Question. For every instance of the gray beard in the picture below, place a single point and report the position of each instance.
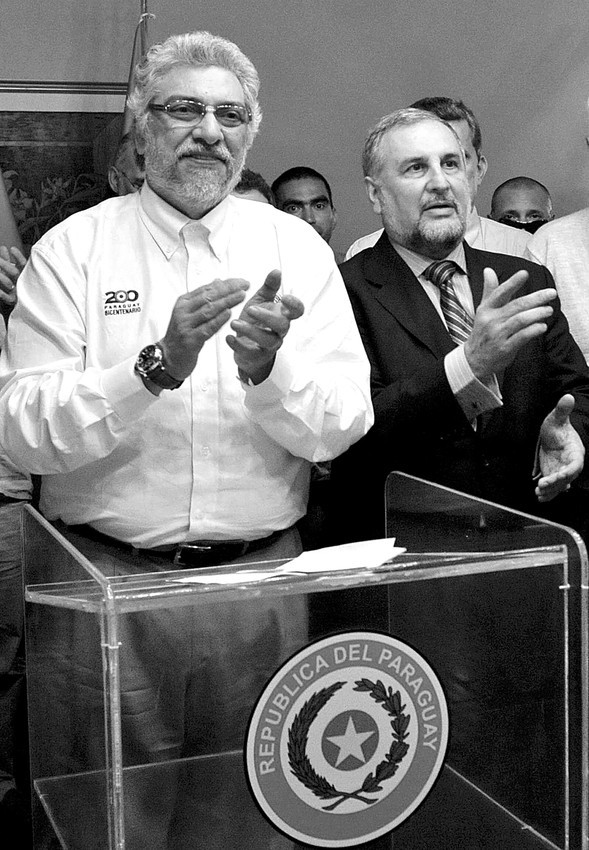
(200, 191)
(434, 241)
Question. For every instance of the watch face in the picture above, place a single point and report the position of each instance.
(149, 358)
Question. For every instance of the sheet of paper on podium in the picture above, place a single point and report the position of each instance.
(368, 554)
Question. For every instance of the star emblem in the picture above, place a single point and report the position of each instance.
(350, 743)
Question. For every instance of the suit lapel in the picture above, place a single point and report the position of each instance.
(397, 289)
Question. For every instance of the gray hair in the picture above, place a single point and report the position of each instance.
(199, 49)
(372, 158)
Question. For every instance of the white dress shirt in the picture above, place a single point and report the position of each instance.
(213, 459)
(563, 247)
(482, 233)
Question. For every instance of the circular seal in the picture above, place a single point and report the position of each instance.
(347, 739)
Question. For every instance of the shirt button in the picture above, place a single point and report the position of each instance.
(205, 451)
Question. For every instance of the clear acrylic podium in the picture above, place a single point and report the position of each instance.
(496, 602)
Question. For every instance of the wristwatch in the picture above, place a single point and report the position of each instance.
(150, 365)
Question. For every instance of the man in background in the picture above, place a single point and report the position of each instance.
(563, 247)
(127, 172)
(303, 192)
(482, 233)
(522, 202)
(253, 187)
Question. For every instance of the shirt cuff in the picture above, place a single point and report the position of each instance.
(473, 396)
(276, 386)
(125, 391)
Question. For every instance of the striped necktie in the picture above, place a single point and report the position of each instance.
(458, 320)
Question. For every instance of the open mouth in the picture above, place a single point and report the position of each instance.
(440, 206)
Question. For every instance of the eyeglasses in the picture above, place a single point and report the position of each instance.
(189, 111)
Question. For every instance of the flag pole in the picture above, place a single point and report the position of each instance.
(139, 50)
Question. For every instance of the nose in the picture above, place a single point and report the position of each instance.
(438, 180)
(209, 130)
(309, 214)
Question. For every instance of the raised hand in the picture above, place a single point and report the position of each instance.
(561, 453)
(196, 317)
(261, 328)
(503, 324)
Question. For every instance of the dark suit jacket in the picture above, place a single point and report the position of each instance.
(419, 427)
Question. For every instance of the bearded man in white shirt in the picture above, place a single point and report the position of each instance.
(482, 233)
(167, 442)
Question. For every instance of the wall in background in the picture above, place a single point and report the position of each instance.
(331, 68)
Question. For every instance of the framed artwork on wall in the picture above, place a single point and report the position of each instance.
(56, 143)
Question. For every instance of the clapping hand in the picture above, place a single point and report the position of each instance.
(261, 328)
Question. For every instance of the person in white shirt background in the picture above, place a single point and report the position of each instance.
(563, 246)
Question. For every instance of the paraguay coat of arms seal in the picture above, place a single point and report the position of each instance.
(347, 739)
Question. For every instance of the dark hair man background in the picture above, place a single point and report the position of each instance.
(522, 202)
(304, 192)
(482, 233)
(253, 187)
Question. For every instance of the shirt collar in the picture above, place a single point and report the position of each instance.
(473, 227)
(166, 224)
(418, 264)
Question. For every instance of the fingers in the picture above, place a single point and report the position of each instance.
(206, 306)
(215, 292)
(18, 258)
(490, 283)
(293, 307)
(502, 293)
(9, 273)
(550, 486)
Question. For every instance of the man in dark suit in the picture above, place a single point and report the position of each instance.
(503, 412)
(478, 385)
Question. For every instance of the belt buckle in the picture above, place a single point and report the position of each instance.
(194, 549)
(200, 555)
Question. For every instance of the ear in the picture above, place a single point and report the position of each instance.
(372, 190)
(113, 179)
(482, 166)
(140, 143)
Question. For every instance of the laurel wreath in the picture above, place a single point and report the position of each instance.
(304, 771)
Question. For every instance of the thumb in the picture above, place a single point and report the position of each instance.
(563, 409)
(272, 283)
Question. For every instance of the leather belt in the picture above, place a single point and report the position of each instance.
(194, 554)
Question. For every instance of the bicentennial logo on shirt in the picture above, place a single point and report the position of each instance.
(121, 301)
(347, 739)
